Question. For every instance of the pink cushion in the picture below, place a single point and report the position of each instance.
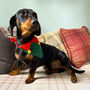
(77, 43)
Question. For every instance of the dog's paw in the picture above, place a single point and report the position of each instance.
(28, 81)
(14, 72)
(74, 79)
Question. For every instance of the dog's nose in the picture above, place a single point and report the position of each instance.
(34, 22)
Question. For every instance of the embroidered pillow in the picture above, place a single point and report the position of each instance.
(77, 43)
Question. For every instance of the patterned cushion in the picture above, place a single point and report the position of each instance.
(53, 38)
(77, 43)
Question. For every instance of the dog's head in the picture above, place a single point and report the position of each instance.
(26, 22)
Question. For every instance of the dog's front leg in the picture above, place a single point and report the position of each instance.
(33, 65)
(17, 66)
(31, 74)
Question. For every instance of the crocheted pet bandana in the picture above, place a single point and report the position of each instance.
(33, 47)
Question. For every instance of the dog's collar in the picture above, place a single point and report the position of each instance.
(27, 45)
(33, 47)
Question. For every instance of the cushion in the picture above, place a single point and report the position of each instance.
(53, 38)
(77, 43)
(6, 53)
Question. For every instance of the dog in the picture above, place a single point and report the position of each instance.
(53, 59)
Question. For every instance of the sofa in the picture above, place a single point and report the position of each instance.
(57, 81)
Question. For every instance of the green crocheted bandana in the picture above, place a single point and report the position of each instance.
(33, 47)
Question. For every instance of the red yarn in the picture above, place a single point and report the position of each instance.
(13, 40)
(25, 46)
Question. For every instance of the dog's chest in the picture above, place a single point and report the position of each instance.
(34, 49)
(24, 55)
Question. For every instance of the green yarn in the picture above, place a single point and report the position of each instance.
(36, 50)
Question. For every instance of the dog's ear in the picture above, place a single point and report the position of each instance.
(12, 24)
(38, 31)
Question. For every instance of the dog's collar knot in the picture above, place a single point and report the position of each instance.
(33, 47)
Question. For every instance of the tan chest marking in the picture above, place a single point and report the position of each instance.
(26, 57)
(29, 56)
(17, 56)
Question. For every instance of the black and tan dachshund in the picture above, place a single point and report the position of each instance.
(53, 59)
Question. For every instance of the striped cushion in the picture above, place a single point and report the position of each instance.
(77, 43)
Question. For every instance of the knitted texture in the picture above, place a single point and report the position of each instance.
(35, 50)
(33, 47)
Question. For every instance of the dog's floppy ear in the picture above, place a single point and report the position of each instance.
(12, 24)
(38, 31)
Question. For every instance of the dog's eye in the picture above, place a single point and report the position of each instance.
(23, 14)
(20, 14)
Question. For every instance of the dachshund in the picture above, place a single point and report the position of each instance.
(29, 51)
